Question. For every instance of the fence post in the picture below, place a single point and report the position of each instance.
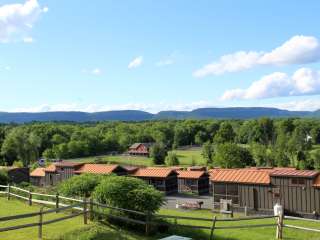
(8, 192)
(40, 224)
(30, 198)
(148, 215)
(91, 209)
(57, 202)
(212, 227)
(279, 226)
(246, 211)
(85, 211)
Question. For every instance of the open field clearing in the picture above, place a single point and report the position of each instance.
(186, 158)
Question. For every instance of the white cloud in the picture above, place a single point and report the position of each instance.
(28, 40)
(299, 105)
(136, 62)
(304, 81)
(96, 71)
(5, 68)
(164, 62)
(297, 50)
(16, 20)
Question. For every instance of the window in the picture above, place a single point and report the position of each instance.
(191, 182)
(226, 191)
(298, 181)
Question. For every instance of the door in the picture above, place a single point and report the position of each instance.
(255, 199)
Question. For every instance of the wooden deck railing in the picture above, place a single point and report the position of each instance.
(86, 208)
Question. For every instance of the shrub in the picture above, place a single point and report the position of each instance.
(128, 193)
(4, 178)
(172, 159)
(81, 185)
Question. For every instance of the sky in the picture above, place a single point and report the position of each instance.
(58, 55)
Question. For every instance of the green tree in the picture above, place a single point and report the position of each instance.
(230, 155)
(21, 145)
(172, 159)
(316, 159)
(259, 153)
(208, 152)
(158, 153)
(225, 133)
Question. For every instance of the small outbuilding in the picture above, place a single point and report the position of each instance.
(37, 177)
(17, 174)
(193, 181)
(163, 179)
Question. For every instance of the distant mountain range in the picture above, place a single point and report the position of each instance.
(135, 115)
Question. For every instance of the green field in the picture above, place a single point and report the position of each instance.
(186, 158)
(74, 229)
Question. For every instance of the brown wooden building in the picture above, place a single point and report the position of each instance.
(140, 149)
(259, 189)
(17, 174)
(163, 179)
(60, 171)
(193, 181)
(37, 177)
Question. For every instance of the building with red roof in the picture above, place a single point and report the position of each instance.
(163, 179)
(259, 189)
(194, 181)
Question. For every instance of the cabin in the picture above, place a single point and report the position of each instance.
(17, 174)
(140, 149)
(104, 169)
(193, 181)
(163, 179)
(37, 177)
(259, 189)
(59, 171)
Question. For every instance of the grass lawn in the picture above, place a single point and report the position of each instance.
(74, 229)
(186, 158)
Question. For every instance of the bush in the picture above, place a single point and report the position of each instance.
(172, 159)
(129, 193)
(4, 178)
(81, 185)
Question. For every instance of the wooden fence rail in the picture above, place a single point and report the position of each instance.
(86, 208)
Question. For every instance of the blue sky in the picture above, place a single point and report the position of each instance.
(158, 55)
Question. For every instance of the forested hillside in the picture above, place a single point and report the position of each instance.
(226, 143)
(136, 115)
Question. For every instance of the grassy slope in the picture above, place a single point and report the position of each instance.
(74, 228)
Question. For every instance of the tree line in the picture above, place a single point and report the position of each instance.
(227, 143)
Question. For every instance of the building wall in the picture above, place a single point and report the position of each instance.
(18, 175)
(301, 199)
(37, 181)
(62, 173)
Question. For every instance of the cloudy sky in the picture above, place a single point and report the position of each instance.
(158, 55)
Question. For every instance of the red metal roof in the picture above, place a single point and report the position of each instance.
(51, 168)
(38, 172)
(190, 174)
(153, 172)
(294, 173)
(97, 168)
(316, 182)
(247, 176)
